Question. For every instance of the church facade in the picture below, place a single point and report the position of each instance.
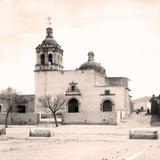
(92, 97)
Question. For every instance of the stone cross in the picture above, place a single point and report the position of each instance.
(49, 21)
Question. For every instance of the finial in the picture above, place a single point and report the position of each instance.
(90, 56)
(49, 21)
(49, 29)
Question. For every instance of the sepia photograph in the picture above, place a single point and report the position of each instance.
(79, 80)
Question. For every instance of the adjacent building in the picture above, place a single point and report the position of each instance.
(22, 111)
(142, 103)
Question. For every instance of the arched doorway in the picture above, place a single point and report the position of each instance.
(107, 106)
(72, 105)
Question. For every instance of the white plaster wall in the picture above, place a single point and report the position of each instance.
(127, 102)
(85, 118)
(99, 79)
(55, 82)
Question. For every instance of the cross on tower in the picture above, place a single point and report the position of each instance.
(49, 21)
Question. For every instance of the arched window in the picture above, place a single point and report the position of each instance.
(42, 59)
(107, 106)
(50, 59)
(72, 105)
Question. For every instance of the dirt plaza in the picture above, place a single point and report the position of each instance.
(80, 142)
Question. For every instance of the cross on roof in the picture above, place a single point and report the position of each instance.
(49, 21)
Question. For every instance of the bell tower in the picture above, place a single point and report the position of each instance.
(49, 55)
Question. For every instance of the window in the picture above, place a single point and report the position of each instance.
(50, 59)
(73, 88)
(0, 108)
(73, 105)
(107, 106)
(106, 92)
(42, 59)
(21, 109)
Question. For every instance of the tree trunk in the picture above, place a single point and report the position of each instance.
(8, 111)
(55, 118)
(6, 120)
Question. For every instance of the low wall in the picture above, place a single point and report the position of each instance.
(21, 118)
(112, 118)
(40, 132)
(143, 133)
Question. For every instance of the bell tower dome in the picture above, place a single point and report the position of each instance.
(49, 55)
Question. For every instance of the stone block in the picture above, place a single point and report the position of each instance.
(40, 132)
(143, 133)
(2, 131)
(137, 156)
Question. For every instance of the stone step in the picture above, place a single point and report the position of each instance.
(40, 132)
(143, 133)
(2, 131)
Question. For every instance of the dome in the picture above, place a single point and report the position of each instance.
(49, 38)
(49, 41)
(91, 64)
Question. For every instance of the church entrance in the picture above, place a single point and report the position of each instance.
(107, 106)
(72, 105)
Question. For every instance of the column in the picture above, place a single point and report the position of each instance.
(46, 58)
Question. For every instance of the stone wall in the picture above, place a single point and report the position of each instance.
(112, 118)
(155, 104)
(26, 100)
(117, 81)
(23, 100)
(20, 118)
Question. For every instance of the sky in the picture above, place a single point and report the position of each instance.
(123, 34)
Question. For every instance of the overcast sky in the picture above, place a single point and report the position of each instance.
(123, 34)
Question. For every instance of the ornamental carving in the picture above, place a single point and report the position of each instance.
(73, 89)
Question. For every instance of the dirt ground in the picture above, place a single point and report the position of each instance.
(80, 142)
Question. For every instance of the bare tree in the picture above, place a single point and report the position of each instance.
(8, 97)
(53, 104)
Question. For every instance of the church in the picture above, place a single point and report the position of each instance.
(92, 97)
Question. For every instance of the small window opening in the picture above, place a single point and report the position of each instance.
(73, 88)
(21, 109)
(107, 92)
(50, 59)
(42, 59)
